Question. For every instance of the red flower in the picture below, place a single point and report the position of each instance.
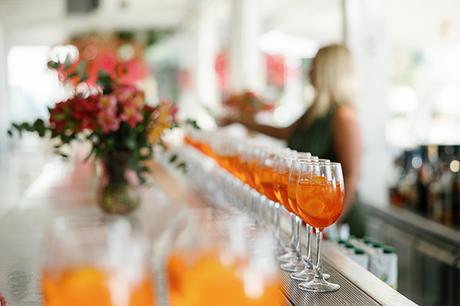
(84, 112)
(59, 116)
(148, 109)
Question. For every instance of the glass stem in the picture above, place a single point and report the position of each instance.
(319, 237)
(293, 224)
(308, 258)
(297, 236)
(277, 221)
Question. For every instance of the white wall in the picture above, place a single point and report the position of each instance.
(367, 40)
(4, 111)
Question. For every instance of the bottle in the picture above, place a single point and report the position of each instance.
(447, 165)
(384, 264)
(446, 182)
(425, 176)
(456, 198)
(367, 244)
(360, 257)
(349, 248)
(408, 186)
(455, 168)
(396, 179)
(435, 199)
(377, 247)
(341, 243)
(390, 263)
(352, 239)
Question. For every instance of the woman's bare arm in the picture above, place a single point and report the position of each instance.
(348, 149)
(3, 301)
(276, 132)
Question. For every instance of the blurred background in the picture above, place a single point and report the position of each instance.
(196, 52)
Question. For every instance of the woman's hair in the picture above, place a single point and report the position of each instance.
(334, 79)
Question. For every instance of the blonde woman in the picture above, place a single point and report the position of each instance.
(329, 128)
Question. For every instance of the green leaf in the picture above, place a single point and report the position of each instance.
(81, 68)
(83, 77)
(173, 158)
(193, 123)
(182, 166)
(72, 75)
(53, 65)
(63, 155)
(67, 62)
(105, 81)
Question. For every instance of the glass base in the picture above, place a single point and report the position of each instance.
(306, 275)
(292, 266)
(281, 249)
(286, 257)
(318, 285)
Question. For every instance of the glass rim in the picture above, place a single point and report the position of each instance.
(319, 162)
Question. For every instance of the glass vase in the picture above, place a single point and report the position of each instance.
(119, 188)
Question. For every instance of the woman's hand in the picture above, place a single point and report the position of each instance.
(226, 120)
(3, 301)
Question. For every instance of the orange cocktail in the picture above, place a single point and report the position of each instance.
(280, 187)
(319, 201)
(229, 163)
(245, 173)
(238, 168)
(292, 194)
(264, 180)
(96, 287)
(254, 167)
(205, 279)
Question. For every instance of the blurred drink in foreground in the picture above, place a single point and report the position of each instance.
(96, 262)
(208, 280)
(94, 286)
(216, 262)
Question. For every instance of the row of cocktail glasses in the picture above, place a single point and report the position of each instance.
(265, 180)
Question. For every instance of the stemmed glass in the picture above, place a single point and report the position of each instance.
(265, 176)
(283, 163)
(320, 196)
(93, 261)
(294, 262)
(220, 260)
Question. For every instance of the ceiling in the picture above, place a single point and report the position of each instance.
(408, 22)
(47, 20)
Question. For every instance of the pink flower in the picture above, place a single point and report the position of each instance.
(138, 99)
(131, 114)
(108, 120)
(107, 101)
(125, 91)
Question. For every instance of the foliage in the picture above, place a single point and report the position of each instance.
(114, 119)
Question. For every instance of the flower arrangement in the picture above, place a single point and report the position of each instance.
(246, 103)
(121, 128)
(117, 119)
(119, 58)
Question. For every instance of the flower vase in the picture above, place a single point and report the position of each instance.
(118, 191)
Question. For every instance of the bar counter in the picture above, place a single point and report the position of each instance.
(68, 188)
(423, 245)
